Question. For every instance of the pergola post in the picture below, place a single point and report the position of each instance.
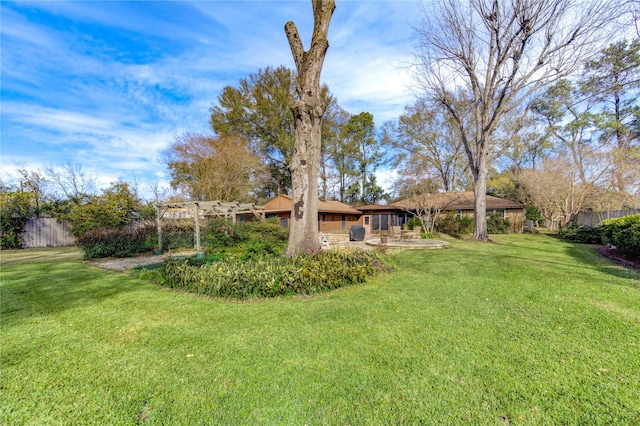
(159, 226)
(196, 215)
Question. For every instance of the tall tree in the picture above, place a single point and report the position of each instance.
(613, 78)
(361, 133)
(340, 152)
(425, 139)
(571, 123)
(307, 113)
(213, 168)
(259, 111)
(496, 54)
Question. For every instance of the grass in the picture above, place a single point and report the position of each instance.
(526, 330)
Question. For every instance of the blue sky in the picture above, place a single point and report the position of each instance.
(109, 85)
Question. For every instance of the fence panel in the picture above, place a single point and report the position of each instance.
(596, 218)
(46, 232)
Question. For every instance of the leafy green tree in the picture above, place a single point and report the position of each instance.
(16, 208)
(613, 79)
(113, 209)
(502, 184)
(259, 111)
(360, 134)
(572, 125)
(341, 152)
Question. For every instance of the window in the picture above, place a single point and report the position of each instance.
(284, 222)
(380, 222)
(324, 217)
(500, 212)
(459, 213)
(366, 220)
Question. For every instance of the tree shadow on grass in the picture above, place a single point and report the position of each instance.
(546, 252)
(588, 255)
(37, 287)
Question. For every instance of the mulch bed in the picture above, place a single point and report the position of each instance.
(617, 257)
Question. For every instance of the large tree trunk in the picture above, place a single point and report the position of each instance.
(307, 112)
(480, 204)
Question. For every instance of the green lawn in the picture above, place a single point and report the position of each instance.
(525, 330)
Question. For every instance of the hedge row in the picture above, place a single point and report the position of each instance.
(270, 276)
(624, 233)
(123, 243)
(582, 234)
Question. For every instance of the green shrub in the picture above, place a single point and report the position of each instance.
(246, 239)
(582, 234)
(533, 214)
(15, 210)
(427, 235)
(115, 242)
(624, 233)
(414, 222)
(176, 234)
(271, 276)
(123, 243)
(455, 226)
(114, 209)
(496, 224)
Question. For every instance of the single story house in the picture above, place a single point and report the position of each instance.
(337, 217)
(333, 216)
(393, 216)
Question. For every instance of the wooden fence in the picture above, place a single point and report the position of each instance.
(596, 218)
(46, 232)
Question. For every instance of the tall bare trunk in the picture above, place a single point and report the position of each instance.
(307, 112)
(480, 207)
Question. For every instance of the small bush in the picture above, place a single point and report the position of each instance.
(414, 222)
(427, 236)
(455, 226)
(176, 234)
(624, 233)
(496, 224)
(246, 239)
(271, 276)
(582, 234)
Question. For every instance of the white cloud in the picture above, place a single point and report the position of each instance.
(110, 84)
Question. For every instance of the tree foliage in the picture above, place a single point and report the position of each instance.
(213, 168)
(360, 136)
(16, 208)
(113, 209)
(259, 111)
(425, 139)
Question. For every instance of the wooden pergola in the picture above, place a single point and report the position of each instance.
(199, 209)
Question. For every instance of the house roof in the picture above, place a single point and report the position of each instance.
(460, 201)
(378, 207)
(282, 203)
